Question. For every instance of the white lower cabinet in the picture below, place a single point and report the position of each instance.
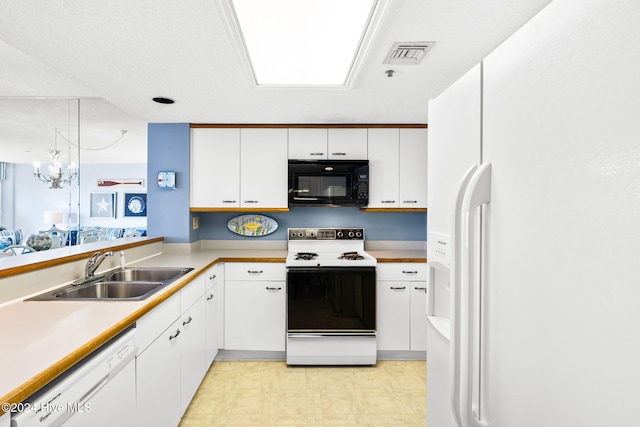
(418, 340)
(192, 352)
(255, 306)
(171, 356)
(212, 312)
(5, 420)
(158, 380)
(402, 302)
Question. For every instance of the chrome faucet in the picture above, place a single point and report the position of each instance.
(94, 262)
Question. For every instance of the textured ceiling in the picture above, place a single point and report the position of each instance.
(120, 54)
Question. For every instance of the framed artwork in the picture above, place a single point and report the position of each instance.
(135, 204)
(103, 205)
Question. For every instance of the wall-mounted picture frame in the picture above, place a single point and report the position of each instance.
(103, 205)
(135, 204)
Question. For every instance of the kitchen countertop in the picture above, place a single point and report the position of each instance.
(47, 338)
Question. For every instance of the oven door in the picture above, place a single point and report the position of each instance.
(331, 300)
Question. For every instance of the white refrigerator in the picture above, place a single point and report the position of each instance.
(534, 227)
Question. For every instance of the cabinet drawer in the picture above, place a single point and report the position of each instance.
(255, 271)
(154, 323)
(402, 271)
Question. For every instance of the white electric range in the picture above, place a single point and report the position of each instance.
(331, 298)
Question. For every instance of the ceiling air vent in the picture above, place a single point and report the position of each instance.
(408, 53)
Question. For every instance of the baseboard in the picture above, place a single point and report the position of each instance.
(401, 355)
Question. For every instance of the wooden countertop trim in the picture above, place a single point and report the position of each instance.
(13, 271)
(43, 378)
(310, 125)
(240, 259)
(393, 209)
(401, 259)
(238, 209)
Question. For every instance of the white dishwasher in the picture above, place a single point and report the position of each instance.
(98, 391)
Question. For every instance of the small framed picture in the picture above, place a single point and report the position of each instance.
(135, 204)
(103, 205)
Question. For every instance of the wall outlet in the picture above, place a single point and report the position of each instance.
(196, 222)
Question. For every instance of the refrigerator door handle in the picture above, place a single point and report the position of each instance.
(455, 310)
(478, 193)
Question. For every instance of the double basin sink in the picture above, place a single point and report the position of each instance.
(129, 284)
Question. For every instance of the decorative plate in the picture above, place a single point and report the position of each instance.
(252, 225)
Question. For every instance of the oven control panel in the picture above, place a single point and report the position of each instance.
(326, 233)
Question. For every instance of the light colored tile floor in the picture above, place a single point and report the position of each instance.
(248, 393)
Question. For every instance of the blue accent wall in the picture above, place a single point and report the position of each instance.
(168, 210)
(378, 225)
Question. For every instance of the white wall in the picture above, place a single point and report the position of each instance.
(25, 198)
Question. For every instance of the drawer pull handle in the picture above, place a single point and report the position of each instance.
(409, 201)
(255, 271)
(174, 336)
(228, 201)
(250, 201)
(421, 289)
(398, 288)
(213, 276)
(338, 154)
(316, 154)
(387, 201)
(409, 272)
(210, 297)
(186, 322)
(273, 289)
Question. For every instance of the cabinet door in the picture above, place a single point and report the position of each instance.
(215, 168)
(192, 352)
(348, 144)
(384, 168)
(263, 172)
(413, 168)
(393, 315)
(418, 316)
(307, 144)
(211, 314)
(158, 380)
(255, 315)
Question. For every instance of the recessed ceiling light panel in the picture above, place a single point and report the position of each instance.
(303, 42)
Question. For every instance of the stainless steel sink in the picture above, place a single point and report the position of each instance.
(146, 274)
(130, 284)
(109, 290)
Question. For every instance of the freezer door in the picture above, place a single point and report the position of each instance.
(561, 326)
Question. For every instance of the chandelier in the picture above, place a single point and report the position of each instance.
(56, 177)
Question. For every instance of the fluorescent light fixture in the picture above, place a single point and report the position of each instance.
(303, 42)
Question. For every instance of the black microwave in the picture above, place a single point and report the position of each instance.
(329, 183)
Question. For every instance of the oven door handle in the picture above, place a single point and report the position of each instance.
(331, 334)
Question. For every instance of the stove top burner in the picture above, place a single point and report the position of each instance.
(306, 256)
(351, 256)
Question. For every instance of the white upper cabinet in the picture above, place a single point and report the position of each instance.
(215, 168)
(238, 168)
(346, 144)
(413, 168)
(384, 168)
(398, 168)
(263, 171)
(307, 144)
(331, 143)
